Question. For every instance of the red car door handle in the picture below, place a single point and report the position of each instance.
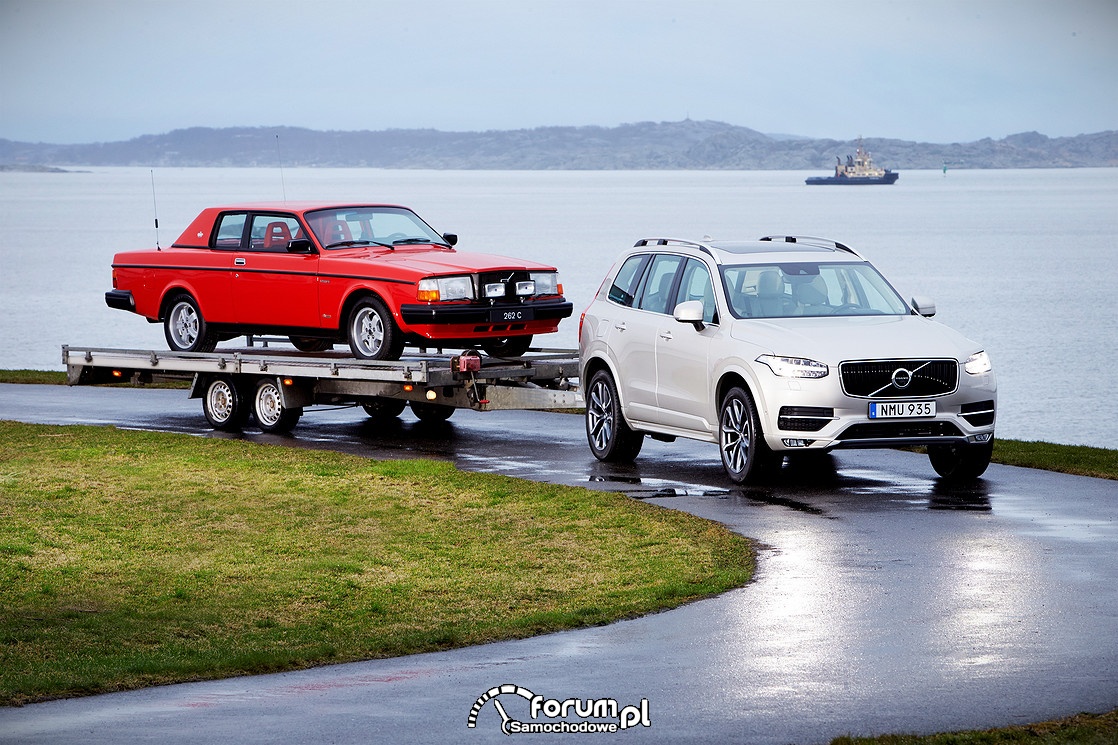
(238, 262)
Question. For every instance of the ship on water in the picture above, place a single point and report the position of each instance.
(858, 169)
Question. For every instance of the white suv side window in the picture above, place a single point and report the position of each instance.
(656, 293)
(696, 285)
(623, 289)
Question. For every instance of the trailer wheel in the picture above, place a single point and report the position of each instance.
(224, 405)
(267, 407)
(431, 412)
(384, 408)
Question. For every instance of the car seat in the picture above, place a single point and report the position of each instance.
(276, 235)
(811, 297)
(770, 295)
(337, 232)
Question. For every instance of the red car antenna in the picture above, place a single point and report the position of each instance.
(155, 210)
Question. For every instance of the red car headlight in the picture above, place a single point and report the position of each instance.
(547, 283)
(445, 288)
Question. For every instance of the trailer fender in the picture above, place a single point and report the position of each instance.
(295, 393)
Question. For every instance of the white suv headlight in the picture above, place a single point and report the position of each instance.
(793, 367)
(978, 363)
(445, 288)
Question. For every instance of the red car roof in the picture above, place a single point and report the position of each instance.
(197, 234)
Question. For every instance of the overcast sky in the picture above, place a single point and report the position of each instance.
(928, 70)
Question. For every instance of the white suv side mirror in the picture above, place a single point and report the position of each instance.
(924, 305)
(690, 311)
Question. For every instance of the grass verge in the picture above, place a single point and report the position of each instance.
(130, 559)
(1079, 460)
(1081, 729)
(51, 377)
(41, 377)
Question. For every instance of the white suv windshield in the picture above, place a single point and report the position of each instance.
(809, 289)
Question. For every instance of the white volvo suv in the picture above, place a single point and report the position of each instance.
(778, 346)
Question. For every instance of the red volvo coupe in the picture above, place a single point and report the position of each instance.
(376, 276)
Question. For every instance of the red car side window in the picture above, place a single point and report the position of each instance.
(273, 232)
(230, 228)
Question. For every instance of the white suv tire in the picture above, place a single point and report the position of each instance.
(610, 438)
(741, 442)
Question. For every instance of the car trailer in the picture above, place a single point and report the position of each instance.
(275, 386)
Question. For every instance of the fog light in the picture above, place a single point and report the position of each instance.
(793, 443)
(526, 288)
(431, 395)
(495, 289)
(984, 437)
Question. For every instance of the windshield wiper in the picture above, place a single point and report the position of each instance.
(357, 243)
(412, 241)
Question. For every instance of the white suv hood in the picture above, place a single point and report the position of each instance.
(832, 340)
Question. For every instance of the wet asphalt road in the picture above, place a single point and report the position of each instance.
(884, 602)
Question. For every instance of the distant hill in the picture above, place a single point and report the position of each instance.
(646, 145)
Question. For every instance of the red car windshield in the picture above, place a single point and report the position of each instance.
(340, 227)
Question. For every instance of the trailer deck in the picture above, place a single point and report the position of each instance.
(275, 386)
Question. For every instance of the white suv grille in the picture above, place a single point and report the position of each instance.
(899, 378)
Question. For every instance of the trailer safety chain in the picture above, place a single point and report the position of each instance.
(475, 391)
(469, 363)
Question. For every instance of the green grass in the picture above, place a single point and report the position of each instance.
(50, 377)
(42, 377)
(1074, 459)
(130, 559)
(1082, 729)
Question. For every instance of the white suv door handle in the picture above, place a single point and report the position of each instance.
(620, 326)
(666, 335)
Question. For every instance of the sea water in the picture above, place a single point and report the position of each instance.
(1023, 261)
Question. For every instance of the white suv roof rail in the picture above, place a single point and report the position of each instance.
(675, 242)
(668, 242)
(811, 241)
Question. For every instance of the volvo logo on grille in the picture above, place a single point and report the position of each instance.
(901, 378)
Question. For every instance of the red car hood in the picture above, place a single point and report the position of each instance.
(423, 262)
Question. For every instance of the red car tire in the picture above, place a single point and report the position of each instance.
(373, 334)
(185, 328)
